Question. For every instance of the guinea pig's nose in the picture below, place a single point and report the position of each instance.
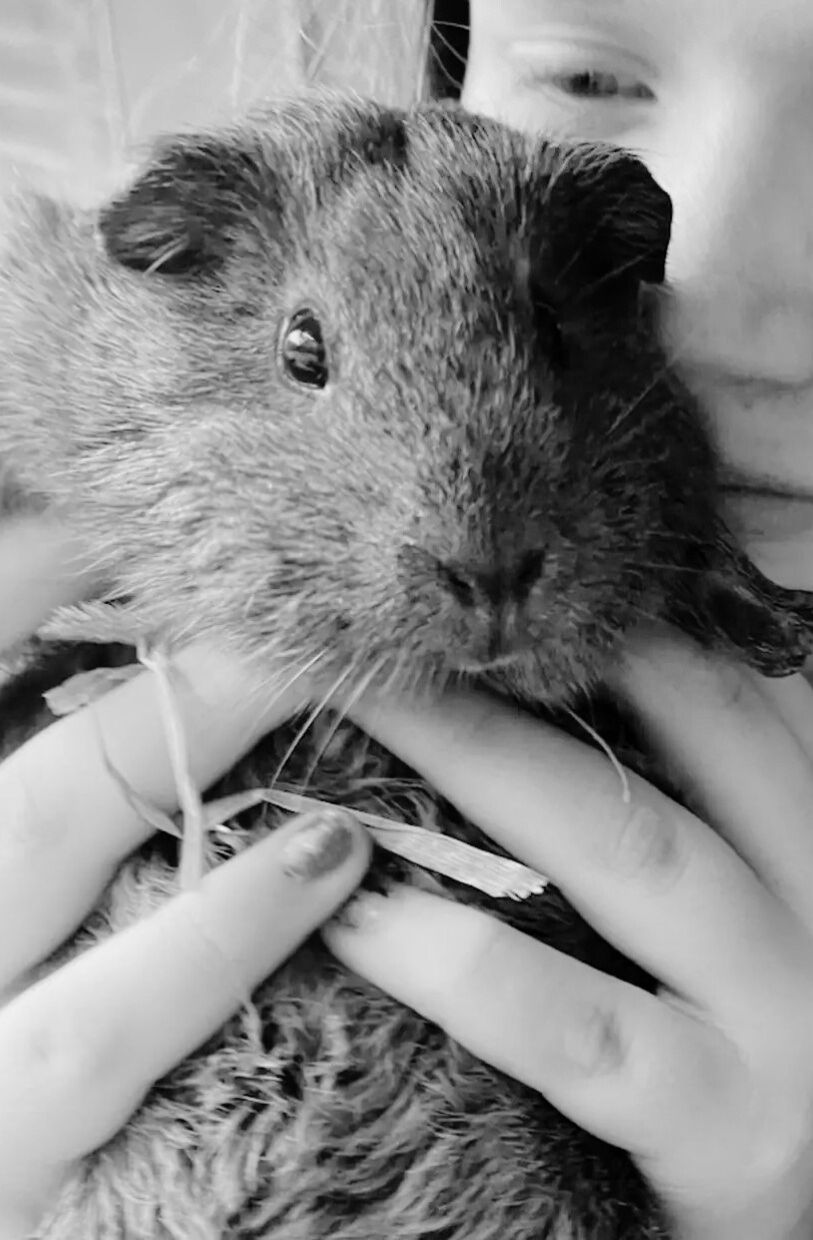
(495, 585)
(492, 603)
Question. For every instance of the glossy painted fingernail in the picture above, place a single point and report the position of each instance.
(321, 843)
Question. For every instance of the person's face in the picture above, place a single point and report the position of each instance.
(716, 96)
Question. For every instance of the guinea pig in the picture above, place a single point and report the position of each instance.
(375, 389)
(378, 391)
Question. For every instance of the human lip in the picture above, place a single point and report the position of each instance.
(748, 390)
(743, 379)
(775, 525)
(763, 484)
(773, 511)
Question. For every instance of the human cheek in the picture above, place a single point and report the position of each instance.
(728, 137)
(741, 257)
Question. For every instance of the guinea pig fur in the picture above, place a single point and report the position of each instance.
(370, 389)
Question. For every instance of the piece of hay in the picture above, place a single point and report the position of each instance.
(489, 873)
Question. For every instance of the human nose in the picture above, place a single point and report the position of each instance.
(740, 265)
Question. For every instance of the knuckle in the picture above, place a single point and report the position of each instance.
(649, 846)
(479, 965)
(592, 1038)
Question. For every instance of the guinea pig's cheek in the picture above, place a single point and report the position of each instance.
(421, 583)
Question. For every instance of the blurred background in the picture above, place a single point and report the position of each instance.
(84, 83)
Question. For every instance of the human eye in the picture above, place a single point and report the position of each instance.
(601, 84)
(592, 89)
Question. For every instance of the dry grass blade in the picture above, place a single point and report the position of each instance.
(493, 875)
(193, 849)
(151, 814)
(499, 877)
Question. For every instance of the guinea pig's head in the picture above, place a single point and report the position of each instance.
(378, 396)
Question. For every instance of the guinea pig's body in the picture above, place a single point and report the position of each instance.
(368, 392)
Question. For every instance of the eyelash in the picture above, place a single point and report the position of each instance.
(635, 91)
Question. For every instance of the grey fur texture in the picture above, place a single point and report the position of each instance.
(500, 467)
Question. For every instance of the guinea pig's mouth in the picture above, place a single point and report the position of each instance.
(477, 667)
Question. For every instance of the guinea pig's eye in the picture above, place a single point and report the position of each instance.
(304, 356)
(551, 335)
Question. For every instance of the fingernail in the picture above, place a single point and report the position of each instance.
(359, 911)
(321, 843)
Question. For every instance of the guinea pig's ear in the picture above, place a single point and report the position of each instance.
(615, 216)
(185, 213)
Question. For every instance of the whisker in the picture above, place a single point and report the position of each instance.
(626, 793)
(279, 682)
(278, 687)
(309, 722)
(341, 716)
(634, 404)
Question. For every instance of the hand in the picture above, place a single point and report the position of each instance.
(709, 1083)
(42, 566)
(80, 1047)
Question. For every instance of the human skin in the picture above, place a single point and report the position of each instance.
(709, 1085)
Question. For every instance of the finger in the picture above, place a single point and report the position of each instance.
(80, 1049)
(732, 752)
(645, 873)
(41, 568)
(61, 837)
(627, 1067)
(791, 697)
